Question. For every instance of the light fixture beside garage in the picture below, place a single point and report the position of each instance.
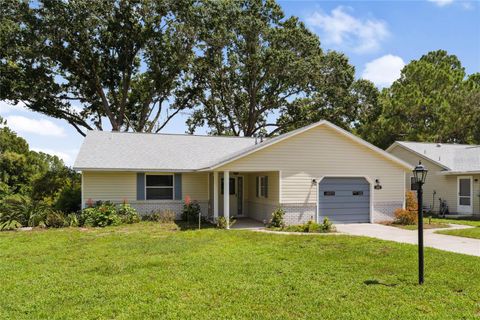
(377, 186)
(314, 182)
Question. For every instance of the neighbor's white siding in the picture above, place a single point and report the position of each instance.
(321, 151)
(445, 186)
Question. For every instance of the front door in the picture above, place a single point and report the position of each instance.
(465, 201)
(240, 196)
(235, 196)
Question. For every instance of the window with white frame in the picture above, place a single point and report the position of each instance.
(262, 187)
(159, 187)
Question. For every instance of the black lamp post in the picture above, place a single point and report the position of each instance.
(420, 174)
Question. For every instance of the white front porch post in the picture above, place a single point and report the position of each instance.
(215, 196)
(226, 197)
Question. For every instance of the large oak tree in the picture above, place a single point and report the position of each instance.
(125, 61)
(263, 73)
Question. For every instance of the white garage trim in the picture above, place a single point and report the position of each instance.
(370, 182)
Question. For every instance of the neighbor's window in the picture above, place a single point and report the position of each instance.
(413, 185)
(262, 187)
(159, 187)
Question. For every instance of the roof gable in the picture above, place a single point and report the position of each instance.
(293, 133)
(451, 157)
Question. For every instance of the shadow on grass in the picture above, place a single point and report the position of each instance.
(372, 282)
(186, 225)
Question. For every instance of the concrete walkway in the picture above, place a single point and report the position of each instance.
(431, 239)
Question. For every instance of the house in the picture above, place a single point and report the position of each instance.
(454, 173)
(312, 172)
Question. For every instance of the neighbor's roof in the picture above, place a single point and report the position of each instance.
(124, 151)
(453, 157)
(103, 150)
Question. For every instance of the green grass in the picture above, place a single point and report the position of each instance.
(467, 233)
(426, 225)
(151, 271)
(469, 221)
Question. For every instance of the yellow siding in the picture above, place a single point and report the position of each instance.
(195, 185)
(444, 185)
(273, 188)
(321, 151)
(112, 186)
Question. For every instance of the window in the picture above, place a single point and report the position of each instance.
(413, 185)
(159, 187)
(231, 187)
(328, 193)
(262, 187)
(357, 193)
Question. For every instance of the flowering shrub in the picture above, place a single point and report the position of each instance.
(191, 210)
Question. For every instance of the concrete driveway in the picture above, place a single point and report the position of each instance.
(431, 239)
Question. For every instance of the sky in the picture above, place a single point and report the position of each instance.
(379, 37)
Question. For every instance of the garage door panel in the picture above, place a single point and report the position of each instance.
(341, 180)
(344, 200)
(344, 187)
(343, 212)
(345, 205)
(339, 193)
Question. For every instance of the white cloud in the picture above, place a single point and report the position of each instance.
(441, 3)
(41, 127)
(384, 70)
(342, 29)
(67, 157)
(8, 108)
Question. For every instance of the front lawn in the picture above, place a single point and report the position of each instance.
(426, 225)
(467, 233)
(148, 270)
(473, 221)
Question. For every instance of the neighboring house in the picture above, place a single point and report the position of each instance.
(453, 173)
(246, 177)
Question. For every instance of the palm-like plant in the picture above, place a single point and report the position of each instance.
(19, 210)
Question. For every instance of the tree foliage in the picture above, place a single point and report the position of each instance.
(260, 72)
(36, 175)
(433, 100)
(86, 61)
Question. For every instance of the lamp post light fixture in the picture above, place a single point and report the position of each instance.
(420, 175)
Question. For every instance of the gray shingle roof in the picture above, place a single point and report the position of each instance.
(160, 152)
(455, 157)
(124, 151)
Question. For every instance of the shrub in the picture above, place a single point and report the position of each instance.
(191, 211)
(69, 198)
(101, 216)
(128, 214)
(55, 219)
(411, 203)
(71, 220)
(327, 225)
(222, 222)
(310, 227)
(162, 216)
(405, 217)
(277, 218)
(18, 210)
